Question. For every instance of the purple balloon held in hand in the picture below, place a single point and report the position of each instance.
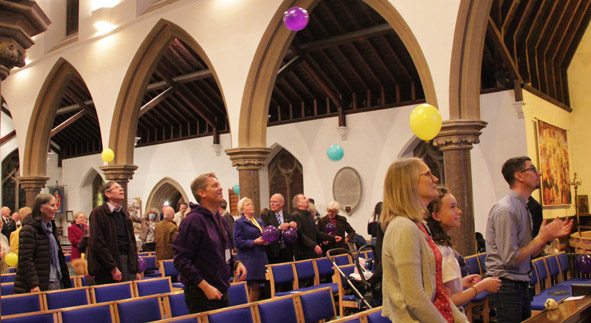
(583, 264)
(142, 263)
(296, 18)
(290, 235)
(330, 228)
(270, 234)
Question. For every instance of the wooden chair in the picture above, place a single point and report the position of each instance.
(93, 313)
(112, 292)
(62, 298)
(346, 300)
(34, 317)
(140, 309)
(317, 305)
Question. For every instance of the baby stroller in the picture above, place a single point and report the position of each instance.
(368, 294)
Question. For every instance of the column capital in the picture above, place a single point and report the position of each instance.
(119, 173)
(248, 158)
(29, 183)
(459, 134)
(21, 20)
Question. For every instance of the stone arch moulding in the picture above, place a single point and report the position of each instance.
(125, 116)
(39, 131)
(273, 46)
(161, 190)
(466, 59)
(90, 175)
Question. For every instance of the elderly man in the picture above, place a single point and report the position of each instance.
(112, 249)
(509, 243)
(75, 233)
(9, 224)
(278, 251)
(306, 246)
(202, 249)
(165, 232)
(180, 215)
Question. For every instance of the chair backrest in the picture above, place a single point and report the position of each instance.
(242, 313)
(142, 309)
(21, 303)
(167, 268)
(376, 317)
(83, 281)
(238, 293)
(112, 292)
(473, 264)
(563, 261)
(151, 262)
(305, 270)
(7, 278)
(153, 286)
(7, 289)
(482, 262)
(540, 267)
(553, 267)
(178, 306)
(280, 273)
(41, 317)
(67, 258)
(94, 313)
(342, 259)
(67, 298)
(324, 267)
(317, 305)
(281, 309)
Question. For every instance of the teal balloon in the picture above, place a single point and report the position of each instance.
(237, 189)
(335, 152)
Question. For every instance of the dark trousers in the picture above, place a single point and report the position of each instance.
(513, 301)
(107, 278)
(197, 301)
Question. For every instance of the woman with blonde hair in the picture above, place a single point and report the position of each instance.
(413, 289)
(250, 246)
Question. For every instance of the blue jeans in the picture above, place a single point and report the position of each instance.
(513, 301)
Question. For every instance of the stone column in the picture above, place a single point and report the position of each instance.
(455, 140)
(248, 161)
(121, 174)
(32, 186)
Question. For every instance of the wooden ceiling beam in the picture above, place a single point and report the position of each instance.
(181, 79)
(335, 69)
(510, 15)
(156, 100)
(345, 38)
(322, 84)
(288, 66)
(500, 47)
(68, 122)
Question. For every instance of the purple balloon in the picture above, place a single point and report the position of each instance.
(270, 234)
(330, 228)
(583, 264)
(142, 263)
(290, 235)
(296, 18)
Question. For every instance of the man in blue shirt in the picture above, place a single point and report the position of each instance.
(509, 243)
(202, 250)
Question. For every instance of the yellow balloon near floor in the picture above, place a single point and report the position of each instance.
(11, 259)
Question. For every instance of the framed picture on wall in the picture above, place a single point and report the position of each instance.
(60, 198)
(69, 215)
(554, 164)
(583, 203)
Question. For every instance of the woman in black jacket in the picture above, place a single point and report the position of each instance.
(41, 262)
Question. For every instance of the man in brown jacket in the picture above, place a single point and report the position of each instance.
(112, 249)
(166, 230)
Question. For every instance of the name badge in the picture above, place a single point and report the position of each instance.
(228, 256)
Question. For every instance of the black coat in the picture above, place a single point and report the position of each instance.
(342, 227)
(308, 235)
(270, 218)
(34, 258)
(7, 228)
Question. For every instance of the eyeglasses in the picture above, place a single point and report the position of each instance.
(532, 168)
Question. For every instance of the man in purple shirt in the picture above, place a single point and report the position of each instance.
(202, 250)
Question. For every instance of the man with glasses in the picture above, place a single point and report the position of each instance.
(509, 241)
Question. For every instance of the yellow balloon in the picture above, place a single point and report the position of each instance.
(11, 259)
(82, 255)
(107, 155)
(425, 121)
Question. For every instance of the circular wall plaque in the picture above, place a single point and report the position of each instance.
(346, 189)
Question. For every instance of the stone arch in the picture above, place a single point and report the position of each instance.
(39, 130)
(167, 189)
(466, 59)
(89, 177)
(125, 116)
(272, 48)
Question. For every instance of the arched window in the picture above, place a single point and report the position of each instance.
(433, 157)
(12, 195)
(286, 177)
(97, 196)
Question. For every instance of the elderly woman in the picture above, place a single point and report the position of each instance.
(250, 246)
(148, 223)
(413, 289)
(341, 227)
(41, 262)
(75, 234)
(444, 215)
